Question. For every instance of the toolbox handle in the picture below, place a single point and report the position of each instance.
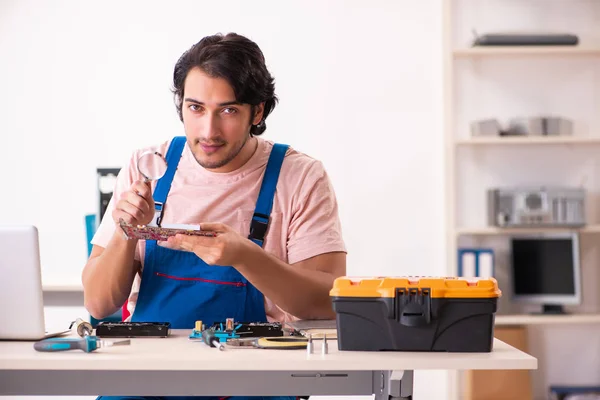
(413, 307)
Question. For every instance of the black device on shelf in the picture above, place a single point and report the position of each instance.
(526, 39)
(106, 178)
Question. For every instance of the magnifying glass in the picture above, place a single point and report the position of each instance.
(152, 165)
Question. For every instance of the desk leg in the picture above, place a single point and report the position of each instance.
(393, 385)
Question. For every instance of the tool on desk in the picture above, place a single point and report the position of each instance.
(309, 345)
(241, 342)
(81, 327)
(412, 313)
(324, 348)
(87, 344)
(277, 342)
(316, 328)
(282, 342)
(211, 339)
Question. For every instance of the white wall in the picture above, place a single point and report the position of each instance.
(83, 84)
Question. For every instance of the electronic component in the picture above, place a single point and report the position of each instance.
(536, 206)
(107, 178)
(486, 127)
(147, 232)
(229, 331)
(526, 39)
(241, 334)
(248, 329)
(133, 329)
(523, 126)
(197, 331)
(540, 126)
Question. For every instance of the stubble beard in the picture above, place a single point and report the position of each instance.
(233, 153)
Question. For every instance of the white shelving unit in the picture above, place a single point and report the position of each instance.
(63, 288)
(488, 231)
(571, 319)
(528, 51)
(492, 82)
(528, 141)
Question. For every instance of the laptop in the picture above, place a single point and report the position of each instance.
(21, 295)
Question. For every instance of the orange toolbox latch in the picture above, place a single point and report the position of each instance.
(413, 306)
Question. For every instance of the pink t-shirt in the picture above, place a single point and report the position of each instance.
(304, 220)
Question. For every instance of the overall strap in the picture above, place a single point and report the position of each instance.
(164, 184)
(264, 204)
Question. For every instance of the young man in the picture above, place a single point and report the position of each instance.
(279, 244)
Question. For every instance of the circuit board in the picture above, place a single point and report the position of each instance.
(233, 330)
(145, 232)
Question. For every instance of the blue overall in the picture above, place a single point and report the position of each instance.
(178, 287)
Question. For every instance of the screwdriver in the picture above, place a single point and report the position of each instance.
(210, 339)
(82, 328)
(87, 344)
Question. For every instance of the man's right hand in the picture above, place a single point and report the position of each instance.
(136, 206)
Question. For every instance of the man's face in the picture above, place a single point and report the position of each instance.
(216, 126)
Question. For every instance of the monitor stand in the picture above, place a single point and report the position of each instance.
(552, 309)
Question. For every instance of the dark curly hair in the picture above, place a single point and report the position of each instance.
(236, 59)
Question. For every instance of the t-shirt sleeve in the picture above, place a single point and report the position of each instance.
(315, 226)
(107, 226)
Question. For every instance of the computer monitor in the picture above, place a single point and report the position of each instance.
(545, 270)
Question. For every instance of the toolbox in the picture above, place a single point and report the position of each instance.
(446, 314)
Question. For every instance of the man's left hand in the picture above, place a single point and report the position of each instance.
(227, 248)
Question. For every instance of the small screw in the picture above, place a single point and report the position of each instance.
(309, 345)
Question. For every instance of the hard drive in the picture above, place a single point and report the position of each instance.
(133, 329)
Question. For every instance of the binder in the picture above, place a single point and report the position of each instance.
(485, 263)
(475, 263)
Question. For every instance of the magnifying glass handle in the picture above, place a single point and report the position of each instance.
(146, 182)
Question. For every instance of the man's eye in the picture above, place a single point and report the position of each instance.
(194, 107)
(229, 110)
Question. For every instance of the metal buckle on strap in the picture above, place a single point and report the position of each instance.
(158, 214)
(258, 228)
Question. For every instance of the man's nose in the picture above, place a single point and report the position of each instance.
(211, 127)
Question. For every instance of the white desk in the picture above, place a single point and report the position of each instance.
(178, 366)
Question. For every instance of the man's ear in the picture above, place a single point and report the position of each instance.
(258, 113)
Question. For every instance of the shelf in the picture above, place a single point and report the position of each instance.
(492, 230)
(526, 50)
(528, 140)
(62, 288)
(528, 319)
